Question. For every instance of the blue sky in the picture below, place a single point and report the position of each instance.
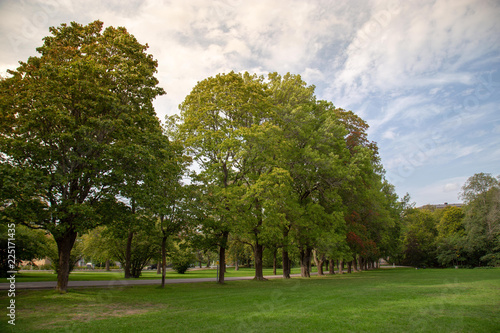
(425, 75)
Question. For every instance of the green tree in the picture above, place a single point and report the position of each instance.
(482, 219)
(97, 246)
(419, 235)
(213, 118)
(451, 222)
(67, 116)
(314, 153)
(29, 244)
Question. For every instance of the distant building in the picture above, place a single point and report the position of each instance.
(441, 206)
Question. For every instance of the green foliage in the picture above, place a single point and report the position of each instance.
(454, 236)
(419, 234)
(77, 123)
(29, 244)
(181, 261)
(482, 227)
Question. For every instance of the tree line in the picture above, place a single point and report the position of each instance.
(250, 163)
(467, 236)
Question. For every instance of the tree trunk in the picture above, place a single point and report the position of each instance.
(236, 264)
(349, 267)
(274, 261)
(158, 266)
(320, 267)
(286, 264)
(331, 266)
(208, 261)
(222, 256)
(355, 264)
(64, 245)
(222, 261)
(319, 262)
(128, 255)
(305, 262)
(163, 260)
(258, 250)
(107, 266)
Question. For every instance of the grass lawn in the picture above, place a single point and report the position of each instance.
(386, 300)
(98, 275)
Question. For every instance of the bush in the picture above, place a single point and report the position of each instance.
(181, 267)
(181, 260)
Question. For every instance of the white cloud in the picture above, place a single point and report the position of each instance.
(411, 69)
(416, 44)
(440, 191)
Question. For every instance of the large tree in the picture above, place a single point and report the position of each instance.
(67, 116)
(214, 120)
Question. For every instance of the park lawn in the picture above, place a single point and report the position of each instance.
(100, 275)
(386, 300)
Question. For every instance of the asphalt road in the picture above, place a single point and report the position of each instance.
(121, 283)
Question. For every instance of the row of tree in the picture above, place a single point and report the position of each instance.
(279, 169)
(251, 162)
(455, 236)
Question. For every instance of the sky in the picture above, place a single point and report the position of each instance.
(425, 75)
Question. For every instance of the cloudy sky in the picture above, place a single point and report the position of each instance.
(424, 74)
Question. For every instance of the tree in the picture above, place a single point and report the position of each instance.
(419, 234)
(212, 118)
(313, 152)
(97, 246)
(67, 116)
(482, 219)
(29, 244)
(477, 185)
(451, 222)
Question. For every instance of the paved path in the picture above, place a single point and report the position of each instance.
(121, 283)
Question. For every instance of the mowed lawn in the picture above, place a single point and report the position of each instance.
(385, 300)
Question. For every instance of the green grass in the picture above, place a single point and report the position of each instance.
(387, 300)
(98, 275)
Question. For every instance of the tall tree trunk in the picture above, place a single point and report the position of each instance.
(349, 267)
(107, 266)
(341, 266)
(128, 255)
(222, 261)
(305, 262)
(163, 259)
(286, 264)
(284, 254)
(158, 266)
(331, 266)
(274, 261)
(222, 256)
(237, 264)
(355, 264)
(64, 245)
(258, 250)
(208, 261)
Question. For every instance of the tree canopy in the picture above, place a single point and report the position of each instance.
(69, 119)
